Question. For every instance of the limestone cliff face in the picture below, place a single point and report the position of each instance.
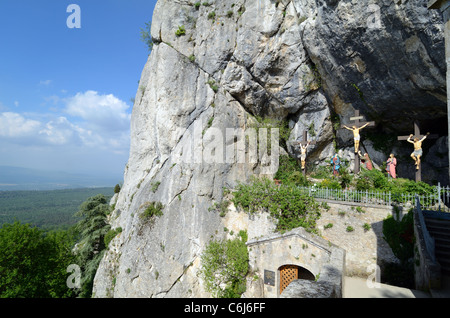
(311, 63)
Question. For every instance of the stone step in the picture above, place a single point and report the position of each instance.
(441, 241)
(444, 238)
(437, 224)
(444, 254)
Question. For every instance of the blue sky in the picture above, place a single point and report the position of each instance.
(65, 93)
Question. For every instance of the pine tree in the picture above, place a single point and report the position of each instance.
(90, 249)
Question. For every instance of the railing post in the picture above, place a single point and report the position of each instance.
(439, 195)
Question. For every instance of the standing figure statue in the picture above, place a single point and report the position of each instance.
(391, 163)
(366, 160)
(356, 135)
(335, 161)
(303, 149)
(417, 153)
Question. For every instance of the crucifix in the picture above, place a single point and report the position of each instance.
(357, 126)
(417, 140)
(303, 147)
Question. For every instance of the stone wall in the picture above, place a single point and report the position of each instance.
(365, 247)
(297, 247)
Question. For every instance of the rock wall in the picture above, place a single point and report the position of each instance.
(222, 65)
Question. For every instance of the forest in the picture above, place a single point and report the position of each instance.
(51, 242)
(52, 209)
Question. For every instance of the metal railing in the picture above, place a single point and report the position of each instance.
(438, 200)
(427, 238)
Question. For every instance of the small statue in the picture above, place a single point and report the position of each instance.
(417, 153)
(335, 161)
(391, 163)
(356, 135)
(366, 160)
(303, 149)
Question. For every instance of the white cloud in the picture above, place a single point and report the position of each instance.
(60, 131)
(93, 120)
(15, 125)
(91, 131)
(105, 113)
(45, 82)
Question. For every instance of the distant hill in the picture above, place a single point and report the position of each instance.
(15, 178)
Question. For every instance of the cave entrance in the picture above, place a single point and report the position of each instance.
(289, 273)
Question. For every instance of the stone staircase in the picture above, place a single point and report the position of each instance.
(440, 230)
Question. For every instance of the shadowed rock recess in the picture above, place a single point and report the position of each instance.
(309, 63)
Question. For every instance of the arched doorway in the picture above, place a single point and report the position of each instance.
(289, 273)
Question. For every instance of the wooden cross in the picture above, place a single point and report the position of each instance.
(304, 143)
(419, 136)
(358, 123)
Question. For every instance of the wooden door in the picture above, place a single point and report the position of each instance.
(288, 273)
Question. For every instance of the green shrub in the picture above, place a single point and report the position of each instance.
(221, 207)
(372, 179)
(400, 236)
(289, 204)
(181, 31)
(146, 36)
(289, 171)
(155, 186)
(153, 209)
(111, 234)
(269, 123)
(322, 172)
(212, 84)
(330, 184)
(375, 180)
(212, 15)
(224, 266)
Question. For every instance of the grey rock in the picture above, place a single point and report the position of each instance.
(303, 61)
(308, 289)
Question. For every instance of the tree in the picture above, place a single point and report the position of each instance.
(146, 35)
(92, 230)
(33, 263)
